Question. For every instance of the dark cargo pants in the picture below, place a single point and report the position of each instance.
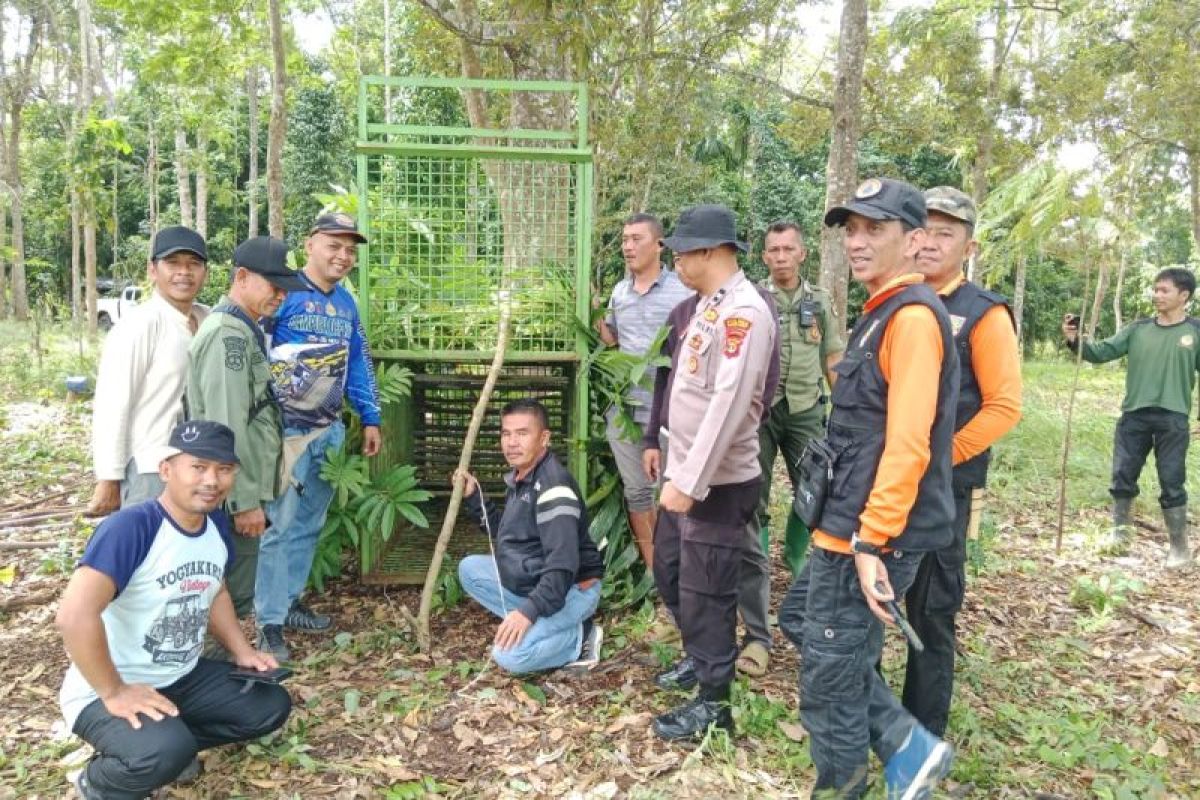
(697, 563)
(932, 605)
(786, 434)
(845, 705)
(1139, 431)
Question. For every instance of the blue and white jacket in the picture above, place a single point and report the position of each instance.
(319, 354)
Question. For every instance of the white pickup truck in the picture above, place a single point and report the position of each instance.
(110, 309)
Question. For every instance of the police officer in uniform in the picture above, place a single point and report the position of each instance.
(989, 405)
(889, 501)
(712, 473)
(810, 345)
(229, 381)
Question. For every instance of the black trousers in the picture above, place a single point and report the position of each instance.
(1139, 431)
(697, 563)
(213, 711)
(932, 605)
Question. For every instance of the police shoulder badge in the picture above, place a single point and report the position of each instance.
(235, 353)
(868, 188)
(736, 329)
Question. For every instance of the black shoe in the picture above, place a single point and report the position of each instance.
(190, 773)
(680, 676)
(692, 720)
(302, 618)
(270, 640)
(83, 788)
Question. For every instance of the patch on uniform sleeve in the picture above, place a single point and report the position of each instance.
(736, 329)
(235, 353)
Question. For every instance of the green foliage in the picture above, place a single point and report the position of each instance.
(1104, 595)
(394, 383)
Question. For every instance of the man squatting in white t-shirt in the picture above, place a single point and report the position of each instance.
(133, 619)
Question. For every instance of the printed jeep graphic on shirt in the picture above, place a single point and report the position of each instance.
(176, 634)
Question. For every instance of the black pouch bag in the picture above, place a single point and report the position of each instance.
(816, 474)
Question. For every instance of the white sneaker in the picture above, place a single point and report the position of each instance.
(589, 654)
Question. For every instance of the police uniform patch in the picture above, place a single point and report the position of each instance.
(1186, 340)
(693, 364)
(696, 341)
(956, 323)
(235, 353)
(710, 315)
(868, 188)
(736, 329)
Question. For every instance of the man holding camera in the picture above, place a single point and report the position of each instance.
(1164, 354)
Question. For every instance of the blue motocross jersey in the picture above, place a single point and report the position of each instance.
(319, 354)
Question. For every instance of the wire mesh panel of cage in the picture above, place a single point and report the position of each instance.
(461, 219)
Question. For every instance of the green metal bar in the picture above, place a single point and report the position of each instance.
(449, 130)
(582, 113)
(473, 151)
(528, 357)
(471, 83)
(580, 420)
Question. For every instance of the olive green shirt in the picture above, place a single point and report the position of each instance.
(803, 349)
(229, 381)
(1163, 359)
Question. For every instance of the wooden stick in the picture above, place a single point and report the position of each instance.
(464, 462)
(25, 520)
(27, 545)
(24, 600)
(44, 499)
(1066, 445)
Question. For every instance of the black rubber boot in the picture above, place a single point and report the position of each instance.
(1122, 529)
(1177, 530)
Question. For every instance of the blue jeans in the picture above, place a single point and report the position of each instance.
(550, 642)
(286, 550)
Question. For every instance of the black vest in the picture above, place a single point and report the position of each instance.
(858, 422)
(969, 303)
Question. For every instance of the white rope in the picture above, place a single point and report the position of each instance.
(487, 526)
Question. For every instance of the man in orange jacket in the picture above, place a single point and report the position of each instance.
(989, 405)
(889, 501)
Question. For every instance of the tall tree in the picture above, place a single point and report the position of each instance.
(841, 173)
(277, 130)
(16, 86)
(252, 154)
(88, 69)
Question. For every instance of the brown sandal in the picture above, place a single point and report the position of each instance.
(753, 660)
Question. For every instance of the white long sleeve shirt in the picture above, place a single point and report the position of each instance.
(140, 386)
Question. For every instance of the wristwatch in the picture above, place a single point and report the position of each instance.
(866, 548)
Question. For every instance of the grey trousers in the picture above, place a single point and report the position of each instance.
(138, 487)
(754, 588)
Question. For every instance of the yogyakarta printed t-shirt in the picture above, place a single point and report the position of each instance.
(319, 353)
(167, 578)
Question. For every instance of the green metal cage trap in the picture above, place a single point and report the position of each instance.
(459, 218)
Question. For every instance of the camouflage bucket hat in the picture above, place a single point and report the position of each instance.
(951, 202)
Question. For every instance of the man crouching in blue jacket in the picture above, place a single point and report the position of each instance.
(544, 582)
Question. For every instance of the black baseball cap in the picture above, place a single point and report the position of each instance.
(178, 239)
(882, 199)
(702, 227)
(203, 438)
(337, 224)
(267, 256)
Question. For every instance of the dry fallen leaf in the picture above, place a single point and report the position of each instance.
(1160, 748)
(792, 730)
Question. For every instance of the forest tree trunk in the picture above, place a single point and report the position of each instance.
(278, 127)
(842, 168)
(252, 128)
(183, 183)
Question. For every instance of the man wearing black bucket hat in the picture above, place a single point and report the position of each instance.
(143, 371)
(888, 500)
(712, 474)
(229, 381)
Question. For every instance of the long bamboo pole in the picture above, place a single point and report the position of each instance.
(424, 641)
(1066, 445)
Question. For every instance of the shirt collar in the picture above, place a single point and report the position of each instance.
(891, 287)
(510, 477)
(951, 285)
(164, 306)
